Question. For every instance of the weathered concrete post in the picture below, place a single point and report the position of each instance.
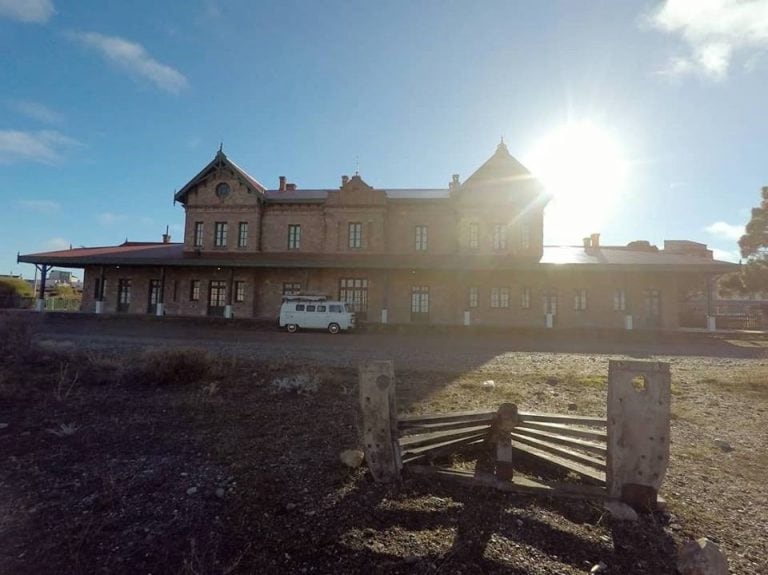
(638, 430)
(377, 402)
(506, 420)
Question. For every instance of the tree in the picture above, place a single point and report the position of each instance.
(753, 276)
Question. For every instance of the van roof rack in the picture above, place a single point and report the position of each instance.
(305, 297)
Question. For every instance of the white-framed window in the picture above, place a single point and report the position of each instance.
(421, 238)
(354, 292)
(194, 290)
(291, 288)
(525, 298)
(500, 297)
(473, 297)
(619, 300)
(580, 300)
(294, 236)
(198, 239)
(239, 291)
(525, 236)
(419, 302)
(474, 235)
(242, 234)
(550, 302)
(220, 234)
(500, 237)
(355, 235)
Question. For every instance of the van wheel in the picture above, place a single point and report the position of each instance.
(291, 327)
(334, 328)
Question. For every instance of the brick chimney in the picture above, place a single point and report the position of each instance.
(166, 236)
(454, 182)
(282, 184)
(595, 240)
(587, 243)
(290, 187)
(344, 180)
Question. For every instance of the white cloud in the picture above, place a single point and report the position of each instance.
(38, 11)
(36, 111)
(44, 146)
(109, 218)
(41, 206)
(725, 230)
(133, 58)
(56, 244)
(716, 32)
(726, 255)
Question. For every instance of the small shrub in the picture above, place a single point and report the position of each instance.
(299, 383)
(169, 367)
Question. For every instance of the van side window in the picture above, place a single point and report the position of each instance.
(335, 308)
(310, 308)
(321, 308)
(299, 307)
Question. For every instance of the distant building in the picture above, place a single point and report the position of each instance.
(471, 253)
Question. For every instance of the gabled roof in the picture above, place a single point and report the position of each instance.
(501, 167)
(218, 162)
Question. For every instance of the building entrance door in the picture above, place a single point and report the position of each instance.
(153, 296)
(217, 297)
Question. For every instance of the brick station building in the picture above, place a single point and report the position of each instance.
(469, 254)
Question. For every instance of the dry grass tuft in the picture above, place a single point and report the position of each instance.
(168, 367)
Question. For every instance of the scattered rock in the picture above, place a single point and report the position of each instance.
(552, 381)
(489, 384)
(3, 425)
(599, 568)
(352, 458)
(290, 506)
(220, 492)
(621, 511)
(572, 407)
(724, 445)
(701, 557)
(191, 490)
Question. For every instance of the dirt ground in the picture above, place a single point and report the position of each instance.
(111, 466)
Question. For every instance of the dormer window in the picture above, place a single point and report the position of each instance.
(222, 190)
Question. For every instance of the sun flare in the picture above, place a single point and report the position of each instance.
(583, 168)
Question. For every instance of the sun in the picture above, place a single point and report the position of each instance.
(583, 168)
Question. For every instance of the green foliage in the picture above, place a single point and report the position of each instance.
(15, 286)
(753, 276)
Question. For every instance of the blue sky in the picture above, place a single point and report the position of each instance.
(107, 108)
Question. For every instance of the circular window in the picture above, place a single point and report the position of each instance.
(222, 190)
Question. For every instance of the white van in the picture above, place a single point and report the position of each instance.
(315, 312)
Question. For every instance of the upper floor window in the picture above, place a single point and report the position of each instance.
(500, 237)
(355, 235)
(291, 288)
(525, 298)
(500, 297)
(525, 236)
(474, 235)
(619, 300)
(474, 296)
(198, 239)
(294, 236)
(421, 238)
(550, 302)
(580, 300)
(220, 234)
(242, 234)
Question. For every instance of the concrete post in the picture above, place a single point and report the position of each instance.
(711, 323)
(550, 320)
(39, 304)
(160, 309)
(505, 422)
(638, 430)
(228, 311)
(377, 402)
(467, 318)
(384, 316)
(99, 307)
(628, 322)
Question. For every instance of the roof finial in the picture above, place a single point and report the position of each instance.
(357, 165)
(221, 146)
(502, 147)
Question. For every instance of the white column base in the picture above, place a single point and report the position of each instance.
(39, 305)
(711, 323)
(228, 311)
(628, 322)
(550, 320)
(99, 307)
(467, 318)
(384, 315)
(160, 311)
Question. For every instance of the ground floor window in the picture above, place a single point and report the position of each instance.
(291, 288)
(123, 294)
(550, 302)
(420, 304)
(652, 306)
(239, 291)
(354, 292)
(619, 300)
(499, 297)
(525, 298)
(153, 296)
(580, 300)
(474, 297)
(217, 297)
(194, 290)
